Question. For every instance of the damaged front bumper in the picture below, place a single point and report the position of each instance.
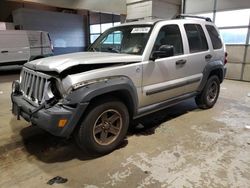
(48, 117)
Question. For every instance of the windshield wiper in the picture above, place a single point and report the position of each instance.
(92, 49)
(113, 50)
(109, 49)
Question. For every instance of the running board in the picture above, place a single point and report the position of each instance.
(162, 105)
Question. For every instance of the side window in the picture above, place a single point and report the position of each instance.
(170, 35)
(196, 38)
(215, 37)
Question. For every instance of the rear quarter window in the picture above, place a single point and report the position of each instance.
(196, 38)
(214, 36)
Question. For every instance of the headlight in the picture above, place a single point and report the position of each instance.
(48, 92)
(52, 90)
(55, 89)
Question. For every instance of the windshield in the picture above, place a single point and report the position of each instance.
(130, 39)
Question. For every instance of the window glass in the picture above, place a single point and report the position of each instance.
(232, 18)
(117, 37)
(170, 35)
(214, 36)
(234, 36)
(113, 38)
(93, 38)
(124, 39)
(106, 26)
(196, 38)
(109, 39)
(95, 28)
(100, 22)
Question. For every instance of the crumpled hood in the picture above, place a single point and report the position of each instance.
(63, 62)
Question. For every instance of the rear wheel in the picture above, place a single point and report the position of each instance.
(209, 95)
(104, 127)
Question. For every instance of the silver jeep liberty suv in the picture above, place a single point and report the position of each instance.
(131, 70)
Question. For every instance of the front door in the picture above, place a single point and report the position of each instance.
(167, 77)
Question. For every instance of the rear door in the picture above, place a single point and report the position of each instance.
(14, 47)
(199, 53)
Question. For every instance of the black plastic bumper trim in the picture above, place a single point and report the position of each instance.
(48, 119)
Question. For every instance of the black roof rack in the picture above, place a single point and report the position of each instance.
(192, 16)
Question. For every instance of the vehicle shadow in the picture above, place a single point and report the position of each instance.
(50, 149)
(148, 124)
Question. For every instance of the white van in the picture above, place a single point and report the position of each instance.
(19, 46)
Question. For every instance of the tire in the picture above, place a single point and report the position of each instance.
(103, 128)
(209, 95)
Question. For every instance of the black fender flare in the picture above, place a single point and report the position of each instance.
(210, 67)
(88, 92)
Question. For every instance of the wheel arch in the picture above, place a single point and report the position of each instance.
(122, 95)
(212, 68)
(121, 88)
(218, 72)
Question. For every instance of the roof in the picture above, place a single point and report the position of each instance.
(143, 22)
(179, 18)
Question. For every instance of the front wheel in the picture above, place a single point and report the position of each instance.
(104, 127)
(209, 95)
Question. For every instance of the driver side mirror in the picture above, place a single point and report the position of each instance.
(164, 51)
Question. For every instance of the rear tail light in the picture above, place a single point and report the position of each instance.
(225, 60)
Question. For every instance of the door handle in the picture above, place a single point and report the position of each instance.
(181, 62)
(208, 57)
(4, 51)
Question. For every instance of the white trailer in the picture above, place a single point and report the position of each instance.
(19, 46)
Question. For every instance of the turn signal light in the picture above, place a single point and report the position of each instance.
(62, 122)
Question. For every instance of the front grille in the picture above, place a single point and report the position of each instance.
(33, 85)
